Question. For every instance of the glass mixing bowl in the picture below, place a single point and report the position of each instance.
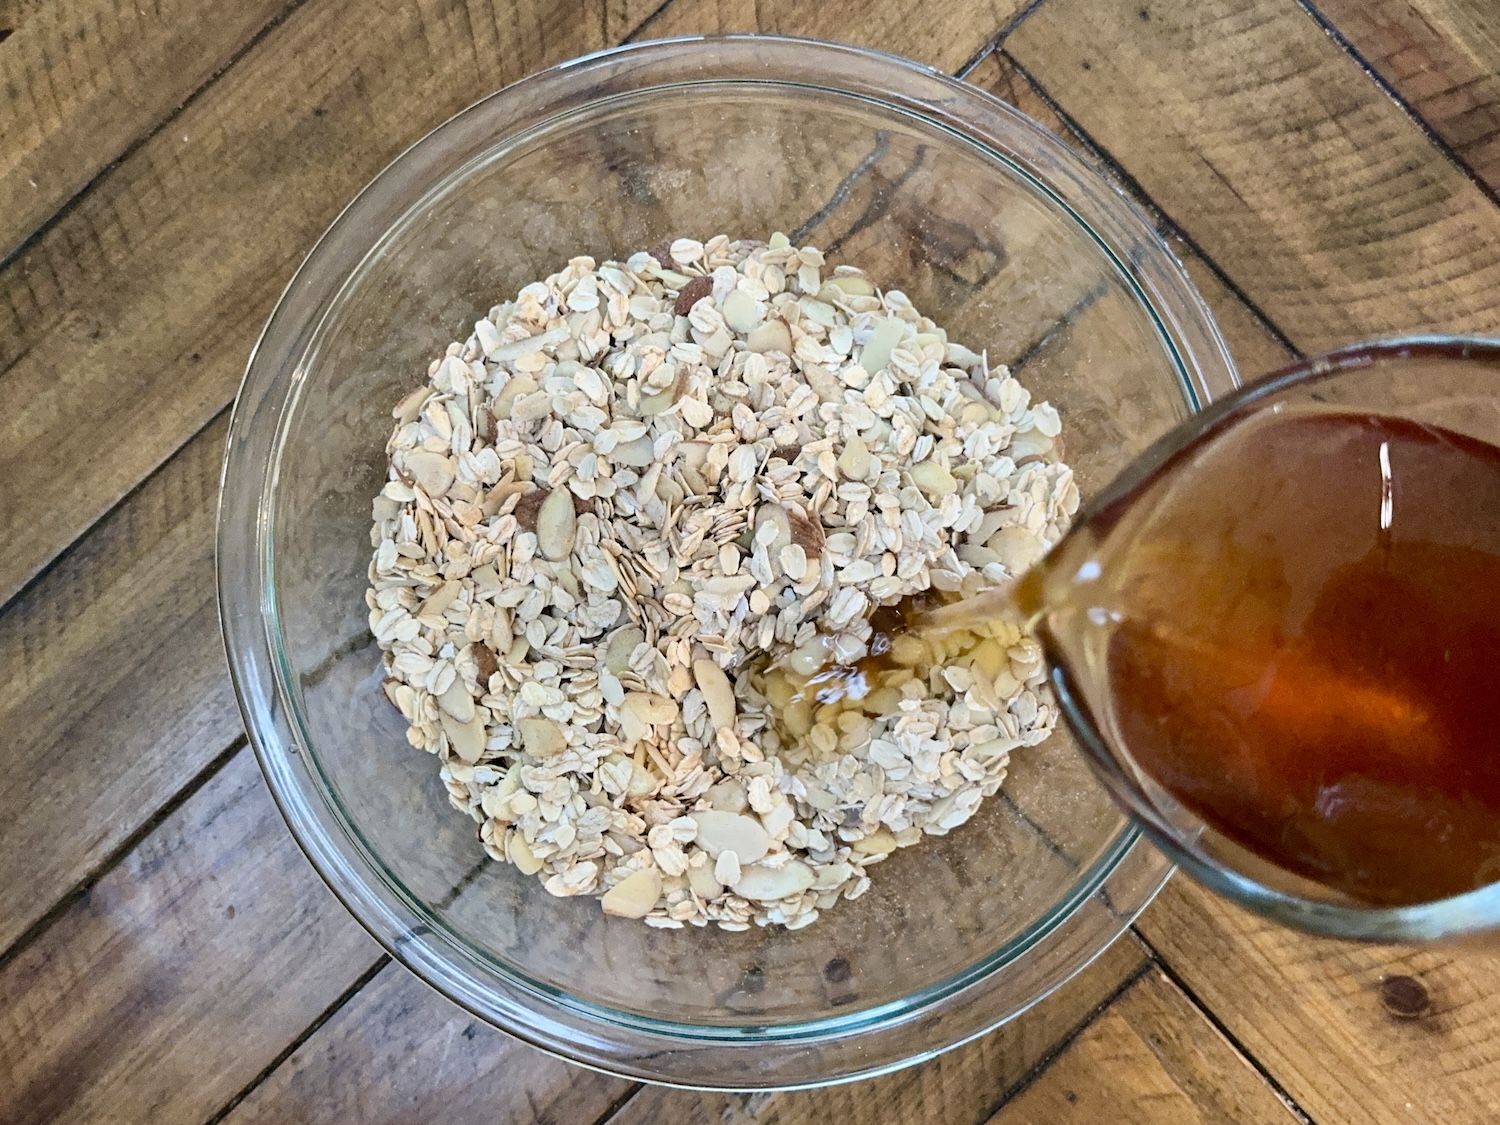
(996, 230)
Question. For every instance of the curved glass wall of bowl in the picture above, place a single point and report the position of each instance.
(994, 229)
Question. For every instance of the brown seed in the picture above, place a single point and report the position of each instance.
(787, 453)
(1405, 998)
(662, 252)
(806, 533)
(528, 506)
(486, 661)
(693, 292)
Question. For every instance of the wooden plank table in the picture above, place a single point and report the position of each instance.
(1327, 170)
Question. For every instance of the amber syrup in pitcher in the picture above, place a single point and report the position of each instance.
(1294, 629)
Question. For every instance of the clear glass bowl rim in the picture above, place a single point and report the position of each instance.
(869, 1041)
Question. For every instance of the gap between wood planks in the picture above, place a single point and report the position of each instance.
(121, 850)
(72, 201)
(1439, 142)
(1164, 222)
(304, 1035)
(1171, 973)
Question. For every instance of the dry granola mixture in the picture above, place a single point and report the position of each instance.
(638, 506)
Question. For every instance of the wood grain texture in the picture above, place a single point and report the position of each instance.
(1324, 202)
(1311, 1011)
(961, 1087)
(398, 1052)
(81, 80)
(117, 693)
(125, 328)
(1150, 1058)
(1255, 349)
(1443, 58)
(945, 36)
(182, 974)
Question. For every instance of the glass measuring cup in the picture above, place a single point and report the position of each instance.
(1441, 381)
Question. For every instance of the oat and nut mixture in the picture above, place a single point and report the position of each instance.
(645, 500)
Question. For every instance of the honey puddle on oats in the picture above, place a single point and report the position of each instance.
(1294, 628)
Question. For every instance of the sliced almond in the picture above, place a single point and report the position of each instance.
(766, 884)
(828, 385)
(877, 350)
(652, 405)
(409, 409)
(529, 506)
(517, 387)
(457, 701)
(704, 883)
(542, 737)
(656, 710)
(728, 796)
(717, 691)
(662, 401)
(807, 534)
(772, 336)
(517, 348)
(725, 831)
(879, 842)
(855, 458)
(637, 454)
(621, 643)
(1027, 443)
(693, 292)
(432, 471)
(642, 783)
(851, 285)
(974, 413)
(485, 662)
(819, 312)
(933, 479)
(739, 311)
(1017, 549)
(633, 725)
(466, 738)
(995, 750)
(440, 599)
(556, 525)
(496, 799)
(633, 896)
(976, 556)
(519, 852)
